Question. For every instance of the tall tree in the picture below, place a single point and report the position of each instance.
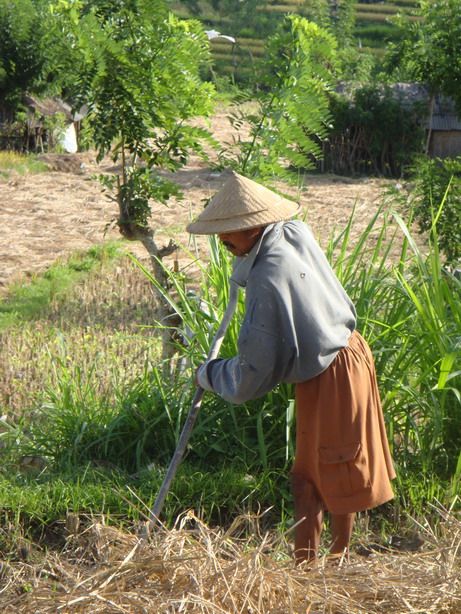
(430, 48)
(292, 115)
(139, 73)
(22, 54)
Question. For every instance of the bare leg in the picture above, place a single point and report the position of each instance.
(309, 506)
(341, 532)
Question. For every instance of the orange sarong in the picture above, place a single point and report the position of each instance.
(341, 442)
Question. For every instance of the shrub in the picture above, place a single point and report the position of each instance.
(438, 200)
(373, 133)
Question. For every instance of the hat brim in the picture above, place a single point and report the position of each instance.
(243, 222)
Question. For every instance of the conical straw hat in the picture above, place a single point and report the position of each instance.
(241, 204)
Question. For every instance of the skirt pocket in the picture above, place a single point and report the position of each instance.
(343, 469)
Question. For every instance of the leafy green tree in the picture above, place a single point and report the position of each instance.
(430, 48)
(291, 116)
(139, 72)
(430, 53)
(22, 55)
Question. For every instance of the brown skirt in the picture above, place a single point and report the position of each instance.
(341, 442)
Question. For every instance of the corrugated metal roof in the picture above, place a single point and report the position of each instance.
(445, 122)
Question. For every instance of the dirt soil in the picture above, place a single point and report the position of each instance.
(49, 215)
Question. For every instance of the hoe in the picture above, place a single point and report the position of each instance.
(193, 412)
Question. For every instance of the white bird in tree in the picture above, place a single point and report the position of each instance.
(214, 34)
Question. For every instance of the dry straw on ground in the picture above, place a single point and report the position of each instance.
(193, 568)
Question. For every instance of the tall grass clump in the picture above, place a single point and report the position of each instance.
(257, 434)
(409, 308)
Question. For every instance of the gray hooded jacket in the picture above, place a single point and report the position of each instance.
(297, 316)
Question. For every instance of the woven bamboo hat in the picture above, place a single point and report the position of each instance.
(241, 204)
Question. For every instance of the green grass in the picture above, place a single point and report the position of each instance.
(30, 299)
(94, 327)
(45, 498)
(20, 164)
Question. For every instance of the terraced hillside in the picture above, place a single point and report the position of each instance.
(373, 28)
(251, 25)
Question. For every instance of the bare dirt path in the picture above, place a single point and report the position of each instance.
(49, 215)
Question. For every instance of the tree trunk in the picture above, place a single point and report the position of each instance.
(429, 131)
(164, 314)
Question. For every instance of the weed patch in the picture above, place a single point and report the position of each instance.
(20, 164)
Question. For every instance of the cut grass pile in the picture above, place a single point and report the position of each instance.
(196, 568)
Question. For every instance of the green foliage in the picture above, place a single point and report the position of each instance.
(87, 428)
(342, 17)
(218, 495)
(135, 424)
(48, 497)
(437, 197)
(292, 113)
(411, 315)
(409, 310)
(22, 55)
(355, 65)
(139, 70)
(430, 48)
(28, 301)
(256, 434)
(373, 133)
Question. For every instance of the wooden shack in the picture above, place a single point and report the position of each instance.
(442, 123)
(49, 123)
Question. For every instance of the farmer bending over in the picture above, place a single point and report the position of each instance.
(299, 327)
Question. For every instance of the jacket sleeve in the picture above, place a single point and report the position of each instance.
(262, 360)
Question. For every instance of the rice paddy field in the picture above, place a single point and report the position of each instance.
(373, 30)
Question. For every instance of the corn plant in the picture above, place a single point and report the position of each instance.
(409, 310)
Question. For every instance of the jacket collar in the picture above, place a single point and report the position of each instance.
(243, 264)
